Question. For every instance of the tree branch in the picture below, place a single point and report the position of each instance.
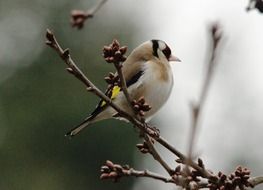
(149, 174)
(116, 171)
(157, 156)
(196, 109)
(256, 180)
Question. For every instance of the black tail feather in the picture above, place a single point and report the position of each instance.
(79, 127)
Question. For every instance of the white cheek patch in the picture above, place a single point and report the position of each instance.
(162, 45)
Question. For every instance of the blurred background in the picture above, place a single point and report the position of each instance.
(39, 101)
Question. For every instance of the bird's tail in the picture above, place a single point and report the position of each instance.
(79, 127)
(98, 115)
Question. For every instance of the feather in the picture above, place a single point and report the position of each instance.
(79, 127)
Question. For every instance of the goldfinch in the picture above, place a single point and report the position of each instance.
(148, 74)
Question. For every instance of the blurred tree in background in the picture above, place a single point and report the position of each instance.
(40, 102)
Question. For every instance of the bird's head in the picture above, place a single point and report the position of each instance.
(162, 51)
(154, 49)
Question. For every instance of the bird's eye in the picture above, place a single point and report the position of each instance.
(167, 52)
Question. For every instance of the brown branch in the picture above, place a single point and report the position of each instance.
(157, 156)
(116, 171)
(239, 179)
(115, 54)
(183, 159)
(147, 173)
(256, 180)
(78, 17)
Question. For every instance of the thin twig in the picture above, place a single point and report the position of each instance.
(97, 7)
(157, 156)
(184, 159)
(149, 174)
(115, 172)
(197, 109)
(256, 180)
(124, 86)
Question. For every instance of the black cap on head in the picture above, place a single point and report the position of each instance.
(158, 44)
(155, 47)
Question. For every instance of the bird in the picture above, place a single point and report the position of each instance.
(148, 73)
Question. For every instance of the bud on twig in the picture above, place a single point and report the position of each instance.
(78, 18)
(143, 148)
(112, 79)
(114, 53)
(140, 106)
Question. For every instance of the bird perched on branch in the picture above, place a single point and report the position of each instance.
(147, 73)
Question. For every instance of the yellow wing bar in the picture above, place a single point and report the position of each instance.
(115, 91)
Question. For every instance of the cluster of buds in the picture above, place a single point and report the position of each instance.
(112, 79)
(143, 148)
(78, 18)
(216, 34)
(191, 179)
(238, 179)
(113, 53)
(186, 177)
(113, 171)
(140, 106)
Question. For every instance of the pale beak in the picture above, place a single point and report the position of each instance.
(173, 58)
